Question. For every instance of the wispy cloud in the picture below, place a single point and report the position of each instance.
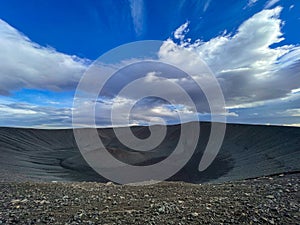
(271, 3)
(206, 5)
(137, 14)
(251, 3)
(293, 112)
(27, 115)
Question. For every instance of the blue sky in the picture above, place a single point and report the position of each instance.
(252, 46)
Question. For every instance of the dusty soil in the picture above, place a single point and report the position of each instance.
(266, 200)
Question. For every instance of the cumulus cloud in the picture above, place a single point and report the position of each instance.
(251, 72)
(260, 82)
(249, 48)
(25, 64)
(247, 67)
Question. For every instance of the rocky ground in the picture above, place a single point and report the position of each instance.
(266, 200)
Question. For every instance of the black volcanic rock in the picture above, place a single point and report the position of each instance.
(266, 200)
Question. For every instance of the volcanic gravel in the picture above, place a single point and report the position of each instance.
(265, 200)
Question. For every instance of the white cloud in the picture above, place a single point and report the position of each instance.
(27, 115)
(137, 14)
(248, 69)
(249, 47)
(25, 64)
(6, 110)
(180, 31)
(152, 77)
(292, 112)
(232, 114)
(292, 125)
(251, 3)
(245, 105)
(271, 3)
(295, 90)
(290, 57)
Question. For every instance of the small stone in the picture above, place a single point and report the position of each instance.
(271, 221)
(270, 196)
(24, 200)
(195, 214)
(44, 202)
(15, 201)
(161, 209)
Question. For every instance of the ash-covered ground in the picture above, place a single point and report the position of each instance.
(253, 180)
(265, 200)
